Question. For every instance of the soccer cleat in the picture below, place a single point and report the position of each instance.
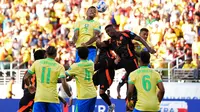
(111, 108)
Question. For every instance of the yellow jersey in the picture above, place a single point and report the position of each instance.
(47, 72)
(86, 31)
(145, 81)
(140, 47)
(189, 66)
(83, 73)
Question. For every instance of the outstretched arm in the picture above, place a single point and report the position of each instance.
(75, 37)
(138, 38)
(99, 43)
(66, 87)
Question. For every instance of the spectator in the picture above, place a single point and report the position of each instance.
(9, 88)
(189, 64)
(37, 24)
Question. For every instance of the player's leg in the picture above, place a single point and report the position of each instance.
(96, 78)
(121, 83)
(40, 107)
(130, 65)
(22, 102)
(103, 82)
(92, 54)
(53, 107)
(26, 102)
(91, 105)
(25, 105)
(105, 97)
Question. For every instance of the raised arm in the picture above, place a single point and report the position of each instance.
(75, 37)
(99, 43)
(66, 87)
(138, 38)
(76, 33)
(62, 77)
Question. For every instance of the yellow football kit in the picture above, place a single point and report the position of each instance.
(145, 81)
(47, 72)
(86, 31)
(83, 72)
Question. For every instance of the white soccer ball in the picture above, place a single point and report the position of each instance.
(101, 6)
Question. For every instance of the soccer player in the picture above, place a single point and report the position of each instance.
(145, 80)
(105, 72)
(47, 72)
(122, 44)
(85, 34)
(86, 91)
(26, 102)
(144, 32)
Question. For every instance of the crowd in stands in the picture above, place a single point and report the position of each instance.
(28, 25)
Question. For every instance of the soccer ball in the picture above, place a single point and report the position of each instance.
(101, 6)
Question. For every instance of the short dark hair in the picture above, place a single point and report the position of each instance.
(12, 78)
(92, 7)
(51, 51)
(83, 52)
(145, 57)
(39, 54)
(144, 29)
(110, 25)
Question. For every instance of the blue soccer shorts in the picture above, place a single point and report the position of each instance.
(91, 56)
(86, 105)
(46, 107)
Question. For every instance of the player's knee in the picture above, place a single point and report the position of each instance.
(102, 95)
(101, 92)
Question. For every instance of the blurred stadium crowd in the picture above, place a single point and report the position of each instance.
(28, 25)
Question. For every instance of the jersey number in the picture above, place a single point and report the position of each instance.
(87, 75)
(47, 75)
(86, 27)
(146, 82)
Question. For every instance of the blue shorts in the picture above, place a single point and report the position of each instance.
(135, 110)
(46, 107)
(86, 105)
(91, 56)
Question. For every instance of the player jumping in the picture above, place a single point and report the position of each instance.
(105, 71)
(145, 80)
(47, 72)
(85, 32)
(122, 44)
